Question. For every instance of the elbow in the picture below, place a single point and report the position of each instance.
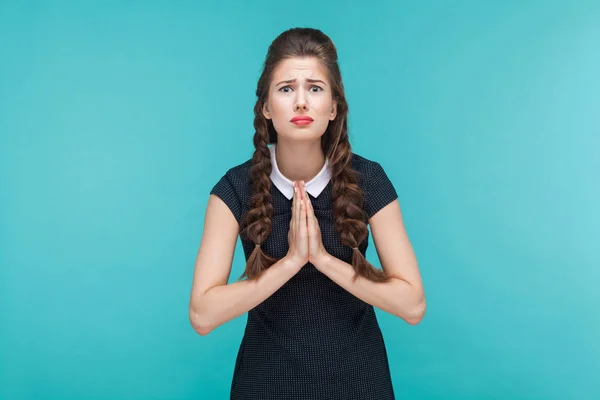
(200, 330)
(417, 312)
(201, 327)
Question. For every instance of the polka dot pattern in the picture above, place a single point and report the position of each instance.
(311, 339)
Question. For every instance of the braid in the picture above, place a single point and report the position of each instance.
(348, 213)
(257, 222)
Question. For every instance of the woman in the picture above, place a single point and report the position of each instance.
(301, 208)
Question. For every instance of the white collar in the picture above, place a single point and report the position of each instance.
(314, 187)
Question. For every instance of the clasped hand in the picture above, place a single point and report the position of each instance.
(304, 237)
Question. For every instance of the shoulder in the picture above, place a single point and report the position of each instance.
(378, 189)
(233, 188)
(361, 163)
(366, 168)
(239, 175)
(234, 182)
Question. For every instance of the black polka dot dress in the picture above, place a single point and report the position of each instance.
(311, 339)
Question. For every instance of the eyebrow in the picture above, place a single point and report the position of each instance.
(308, 80)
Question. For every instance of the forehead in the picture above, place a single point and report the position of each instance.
(308, 67)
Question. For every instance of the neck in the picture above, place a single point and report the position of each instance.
(299, 161)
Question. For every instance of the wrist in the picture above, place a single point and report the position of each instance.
(292, 262)
(321, 260)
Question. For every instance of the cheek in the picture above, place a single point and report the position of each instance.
(280, 104)
(322, 107)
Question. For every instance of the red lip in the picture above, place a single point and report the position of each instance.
(303, 118)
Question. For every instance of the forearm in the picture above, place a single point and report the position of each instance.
(226, 302)
(397, 297)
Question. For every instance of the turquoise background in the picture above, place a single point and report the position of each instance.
(117, 118)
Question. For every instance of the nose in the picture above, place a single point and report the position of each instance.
(301, 101)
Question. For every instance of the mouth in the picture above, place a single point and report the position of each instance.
(301, 120)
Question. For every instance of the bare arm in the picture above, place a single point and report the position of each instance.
(404, 296)
(214, 302)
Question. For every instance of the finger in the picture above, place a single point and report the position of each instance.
(302, 221)
(306, 202)
(303, 229)
(313, 218)
(310, 221)
(298, 207)
(306, 198)
(293, 219)
(313, 223)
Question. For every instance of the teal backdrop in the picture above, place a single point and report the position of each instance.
(118, 117)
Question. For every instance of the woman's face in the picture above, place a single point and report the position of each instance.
(300, 88)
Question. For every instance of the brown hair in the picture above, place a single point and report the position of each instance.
(347, 197)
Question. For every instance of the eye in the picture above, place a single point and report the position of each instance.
(319, 89)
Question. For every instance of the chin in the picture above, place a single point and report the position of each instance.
(301, 136)
(301, 133)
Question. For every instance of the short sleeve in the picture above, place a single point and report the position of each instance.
(379, 190)
(225, 190)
